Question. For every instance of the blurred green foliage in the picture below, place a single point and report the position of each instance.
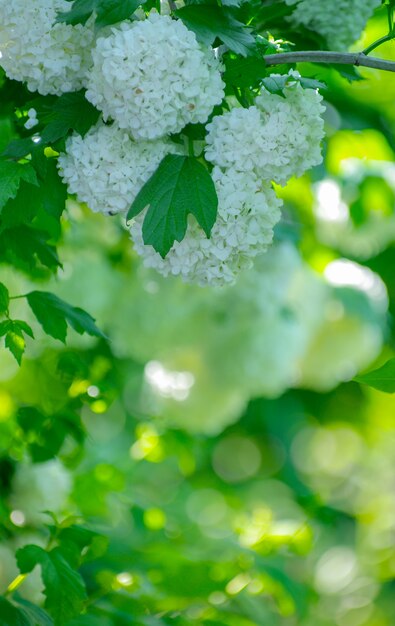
(220, 448)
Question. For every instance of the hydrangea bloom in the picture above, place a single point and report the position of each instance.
(276, 139)
(186, 374)
(51, 58)
(340, 22)
(153, 77)
(106, 168)
(247, 212)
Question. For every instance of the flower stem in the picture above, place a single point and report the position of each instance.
(378, 43)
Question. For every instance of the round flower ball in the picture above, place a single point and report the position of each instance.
(106, 169)
(51, 58)
(152, 77)
(247, 212)
(278, 138)
(351, 331)
(184, 392)
(339, 22)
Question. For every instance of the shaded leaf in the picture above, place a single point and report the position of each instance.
(46, 434)
(349, 72)
(4, 299)
(64, 591)
(28, 249)
(209, 22)
(79, 13)
(11, 174)
(22, 613)
(55, 314)
(71, 111)
(113, 11)
(107, 11)
(276, 84)
(244, 72)
(311, 83)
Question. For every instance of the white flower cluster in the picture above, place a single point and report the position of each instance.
(272, 141)
(276, 139)
(52, 58)
(153, 77)
(339, 22)
(247, 212)
(106, 169)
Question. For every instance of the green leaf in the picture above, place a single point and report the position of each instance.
(46, 434)
(113, 11)
(349, 72)
(242, 72)
(4, 299)
(11, 174)
(18, 148)
(23, 208)
(311, 83)
(382, 378)
(42, 206)
(276, 84)
(79, 13)
(55, 314)
(55, 191)
(4, 327)
(79, 544)
(181, 185)
(14, 331)
(22, 613)
(107, 11)
(64, 588)
(71, 111)
(209, 22)
(15, 342)
(28, 249)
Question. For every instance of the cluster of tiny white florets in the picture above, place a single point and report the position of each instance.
(340, 22)
(153, 77)
(276, 139)
(52, 58)
(247, 211)
(106, 168)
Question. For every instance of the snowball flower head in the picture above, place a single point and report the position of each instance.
(340, 22)
(247, 213)
(106, 168)
(276, 139)
(153, 77)
(51, 58)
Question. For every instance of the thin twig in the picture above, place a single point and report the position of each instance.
(378, 43)
(358, 59)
